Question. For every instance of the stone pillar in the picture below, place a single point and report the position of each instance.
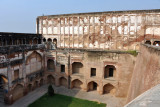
(9, 74)
(85, 86)
(68, 74)
(57, 82)
(23, 67)
(100, 88)
(45, 63)
(152, 41)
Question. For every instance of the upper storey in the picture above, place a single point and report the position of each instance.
(16, 42)
(123, 30)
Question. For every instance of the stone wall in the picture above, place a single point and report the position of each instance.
(122, 30)
(146, 72)
(98, 60)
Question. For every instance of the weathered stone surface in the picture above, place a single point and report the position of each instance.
(146, 72)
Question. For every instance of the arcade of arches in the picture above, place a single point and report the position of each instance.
(77, 84)
(78, 68)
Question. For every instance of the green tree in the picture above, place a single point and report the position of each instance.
(50, 90)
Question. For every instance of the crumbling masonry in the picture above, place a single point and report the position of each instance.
(88, 51)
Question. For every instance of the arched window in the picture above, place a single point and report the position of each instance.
(44, 40)
(92, 86)
(108, 89)
(148, 42)
(49, 40)
(109, 71)
(63, 82)
(77, 68)
(55, 41)
(76, 84)
(156, 43)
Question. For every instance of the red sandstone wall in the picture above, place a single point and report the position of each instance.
(146, 73)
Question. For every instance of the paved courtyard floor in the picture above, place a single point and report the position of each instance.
(110, 100)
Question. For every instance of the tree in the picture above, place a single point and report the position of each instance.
(50, 90)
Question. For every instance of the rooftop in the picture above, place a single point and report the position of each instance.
(105, 12)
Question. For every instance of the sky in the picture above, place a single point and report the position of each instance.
(20, 15)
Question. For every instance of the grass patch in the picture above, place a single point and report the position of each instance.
(64, 101)
(132, 52)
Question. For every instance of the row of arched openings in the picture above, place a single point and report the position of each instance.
(22, 41)
(78, 84)
(109, 70)
(155, 43)
(18, 90)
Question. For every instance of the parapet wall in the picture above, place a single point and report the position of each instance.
(146, 72)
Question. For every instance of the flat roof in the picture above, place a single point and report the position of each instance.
(105, 12)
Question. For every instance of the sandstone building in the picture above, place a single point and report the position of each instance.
(88, 51)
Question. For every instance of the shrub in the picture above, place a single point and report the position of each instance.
(50, 90)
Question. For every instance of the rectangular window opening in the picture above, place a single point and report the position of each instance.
(93, 72)
(62, 68)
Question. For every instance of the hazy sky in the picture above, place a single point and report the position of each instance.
(20, 15)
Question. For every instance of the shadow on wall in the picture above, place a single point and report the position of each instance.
(146, 71)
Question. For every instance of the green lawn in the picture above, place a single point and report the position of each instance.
(64, 101)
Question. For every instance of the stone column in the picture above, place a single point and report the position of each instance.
(100, 88)
(68, 74)
(23, 67)
(9, 73)
(85, 86)
(57, 82)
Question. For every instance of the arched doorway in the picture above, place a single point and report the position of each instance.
(92, 86)
(77, 68)
(3, 84)
(108, 88)
(50, 65)
(63, 82)
(29, 87)
(50, 79)
(41, 82)
(36, 84)
(33, 62)
(17, 92)
(148, 42)
(44, 40)
(77, 84)
(55, 42)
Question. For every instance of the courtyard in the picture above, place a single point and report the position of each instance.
(108, 99)
(64, 101)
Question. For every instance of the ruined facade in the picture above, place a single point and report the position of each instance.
(88, 51)
(21, 64)
(93, 49)
(118, 30)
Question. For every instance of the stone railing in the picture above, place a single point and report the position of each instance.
(12, 63)
(18, 80)
(19, 48)
(35, 75)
